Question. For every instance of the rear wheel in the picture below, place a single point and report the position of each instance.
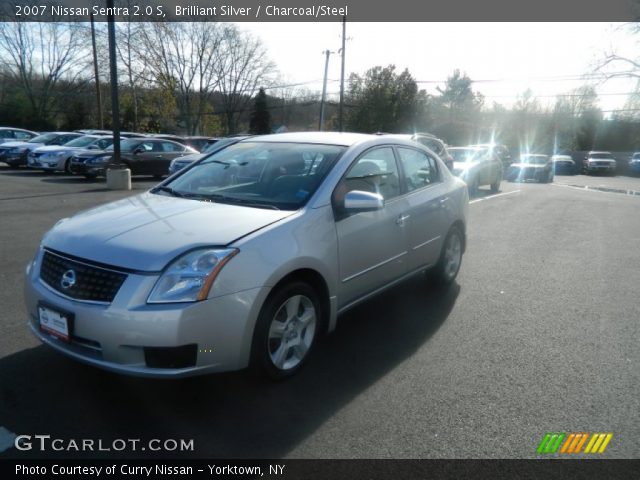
(286, 331)
(495, 186)
(450, 260)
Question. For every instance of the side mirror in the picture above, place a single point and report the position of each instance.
(138, 150)
(357, 200)
(92, 147)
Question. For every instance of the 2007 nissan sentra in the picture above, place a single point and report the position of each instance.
(247, 257)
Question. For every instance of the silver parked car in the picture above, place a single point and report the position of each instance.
(247, 257)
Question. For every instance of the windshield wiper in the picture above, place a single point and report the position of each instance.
(217, 197)
(171, 191)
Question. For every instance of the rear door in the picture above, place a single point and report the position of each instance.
(371, 245)
(427, 202)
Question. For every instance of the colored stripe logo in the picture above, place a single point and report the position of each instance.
(573, 443)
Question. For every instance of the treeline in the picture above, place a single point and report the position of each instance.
(203, 78)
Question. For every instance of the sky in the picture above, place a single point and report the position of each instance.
(503, 59)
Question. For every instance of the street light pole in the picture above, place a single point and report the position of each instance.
(115, 108)
(324, 90)
(96, 74)
(342, 51)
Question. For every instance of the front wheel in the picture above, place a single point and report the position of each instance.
(450, 260)
(285, 333)
(495, 186)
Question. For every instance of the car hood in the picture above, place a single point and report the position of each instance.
(190, 158)
(527, 165)
(30, 146)
(608, 160)
(55, 149)
(91, 152)
(145, 232)
(464, 165)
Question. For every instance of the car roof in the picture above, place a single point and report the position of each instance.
(331, 138)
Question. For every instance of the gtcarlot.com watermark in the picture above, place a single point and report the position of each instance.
(45, 443)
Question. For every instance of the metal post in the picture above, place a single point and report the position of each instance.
(95, 70)
(324, 91)
(344, 41)
(115, 110)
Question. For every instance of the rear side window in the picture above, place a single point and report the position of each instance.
(419, 168)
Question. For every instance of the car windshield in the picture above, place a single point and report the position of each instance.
(258, 174)
(81, 142)
(126, 145)
(466, 154)
(534, 159)
(44, 138)
(601, 155)
(220, 144)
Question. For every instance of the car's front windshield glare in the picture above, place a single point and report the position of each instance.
(81, 142)
(601, 155)
(126, 145)
(47, 137)
(259, 174)
(465, 155)
(534, 159)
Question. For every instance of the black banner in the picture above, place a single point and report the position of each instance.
(324, 469)
(322, 10)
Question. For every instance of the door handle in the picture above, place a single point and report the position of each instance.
(401, 218)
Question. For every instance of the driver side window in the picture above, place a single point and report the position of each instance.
(375, 172)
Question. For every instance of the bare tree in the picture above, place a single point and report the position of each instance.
(41, 55)
(181, 58)
(241, 69)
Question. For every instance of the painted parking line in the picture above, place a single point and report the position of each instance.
(493, 196)
(599, 189)
(6, 439)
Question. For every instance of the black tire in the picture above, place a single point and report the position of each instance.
(495, 186)
(441, 273)
(265, 347)
(90, 176)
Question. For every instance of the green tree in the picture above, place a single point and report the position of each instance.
(383, 101)
(458, 109)
(260, 122)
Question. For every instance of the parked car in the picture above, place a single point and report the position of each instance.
(531, 166)
(144, 156)
(634, 164)
(432, 142)
(199, 143)
(247, 257)
(179, 163)
(58, 158)
(563, 164)
(596, 162)
(500, 151)
(10, 134)
(16, 153)
(168, 136)
(477, 166)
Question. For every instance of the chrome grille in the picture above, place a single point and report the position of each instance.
(92, 283)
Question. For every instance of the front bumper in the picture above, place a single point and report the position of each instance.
(15, 159)
(527, 174)
(78, 168)
(119, 336)
(600, 168)
(44, 163)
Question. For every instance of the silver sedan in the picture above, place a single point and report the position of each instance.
(246, 258)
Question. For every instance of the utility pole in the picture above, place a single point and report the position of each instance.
(115, 110)
(324, 90)
(342, 51)
(95, 70)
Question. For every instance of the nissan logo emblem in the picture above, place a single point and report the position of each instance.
(68, 279)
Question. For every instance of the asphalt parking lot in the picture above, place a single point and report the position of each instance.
(539, 334)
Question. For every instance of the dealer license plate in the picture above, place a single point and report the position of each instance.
(54, 323)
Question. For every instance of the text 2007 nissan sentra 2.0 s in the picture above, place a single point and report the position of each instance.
(246, 257)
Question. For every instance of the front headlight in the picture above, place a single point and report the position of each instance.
(99, 160)
(189, 278)
(61, 154)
